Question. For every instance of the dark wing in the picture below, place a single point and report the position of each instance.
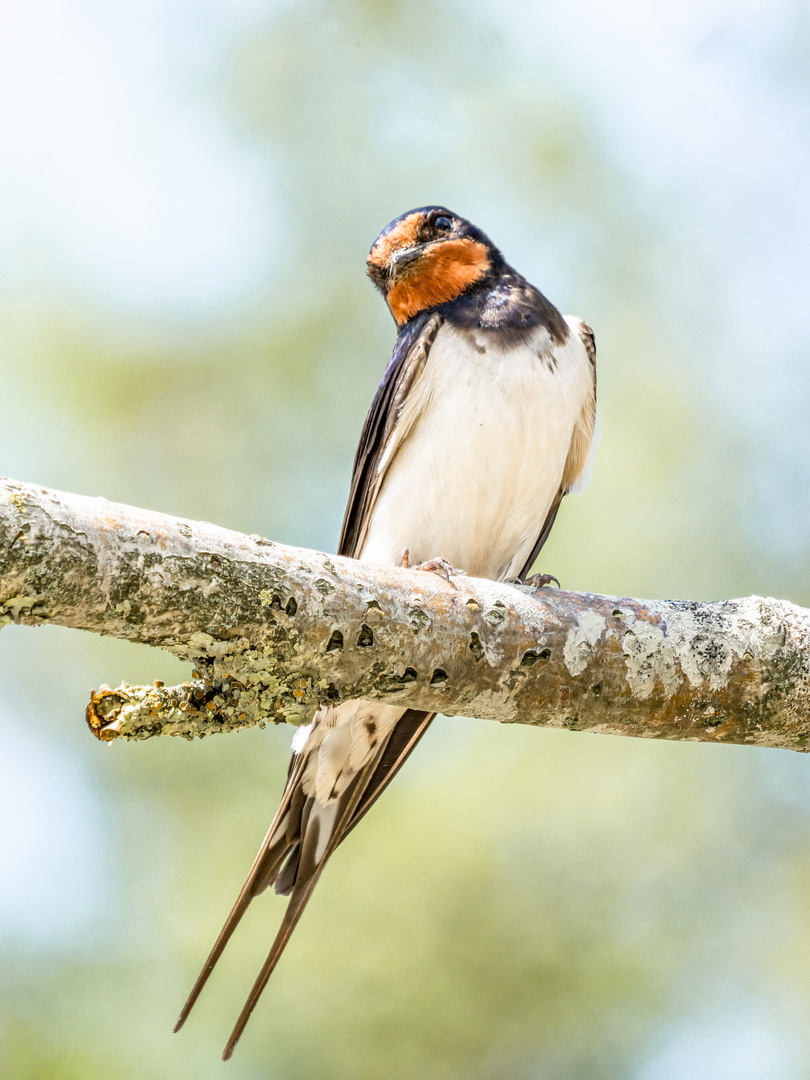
(588, 339)
(406, 364)
(404, 367)
(578, 453)
(406, 734)
(303, 835)
(547, 524)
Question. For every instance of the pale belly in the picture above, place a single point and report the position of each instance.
(474, 480)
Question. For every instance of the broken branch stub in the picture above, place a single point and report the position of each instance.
(272, 631)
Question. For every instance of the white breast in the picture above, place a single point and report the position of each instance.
(487, 433)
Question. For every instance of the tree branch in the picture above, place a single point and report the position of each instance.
(273, 631)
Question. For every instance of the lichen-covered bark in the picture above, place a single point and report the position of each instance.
(271, 631)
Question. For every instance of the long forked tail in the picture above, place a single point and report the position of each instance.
(257, 871)
(302, 890)
(297, 846)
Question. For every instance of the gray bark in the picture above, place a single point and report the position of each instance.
(272, 631)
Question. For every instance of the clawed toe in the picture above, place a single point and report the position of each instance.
(441, 567)
(536, 582)
(541, 580)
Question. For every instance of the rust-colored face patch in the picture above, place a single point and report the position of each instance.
(444, 271)
(404, 234)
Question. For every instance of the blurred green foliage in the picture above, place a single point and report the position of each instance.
(522, 903)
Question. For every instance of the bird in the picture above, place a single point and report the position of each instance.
(484, 420)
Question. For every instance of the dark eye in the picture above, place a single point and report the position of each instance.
(442, 223)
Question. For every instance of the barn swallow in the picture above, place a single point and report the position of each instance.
(483, 421)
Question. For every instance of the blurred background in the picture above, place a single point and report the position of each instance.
(188, 189)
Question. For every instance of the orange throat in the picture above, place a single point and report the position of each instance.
(445, 271)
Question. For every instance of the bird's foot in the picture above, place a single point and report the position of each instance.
(536, 582)
(539, 581)
(441, 567)
(432, 566)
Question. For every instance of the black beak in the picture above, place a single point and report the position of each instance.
(403, 259)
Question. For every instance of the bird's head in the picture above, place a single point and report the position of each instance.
(427, 257)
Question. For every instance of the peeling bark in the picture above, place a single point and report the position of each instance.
(272, 631)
